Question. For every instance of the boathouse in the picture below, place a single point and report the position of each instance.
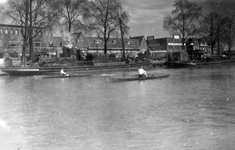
(169, 48)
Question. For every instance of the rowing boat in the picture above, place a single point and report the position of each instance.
(136, 78)
(61, 76)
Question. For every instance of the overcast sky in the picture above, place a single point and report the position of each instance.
(146, 16)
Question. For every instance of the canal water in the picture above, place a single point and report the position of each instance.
(193, 109)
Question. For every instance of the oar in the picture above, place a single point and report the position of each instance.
(135, 76)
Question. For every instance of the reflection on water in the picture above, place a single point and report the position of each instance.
(192, 109)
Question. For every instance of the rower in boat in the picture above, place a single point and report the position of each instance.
(63, 73)
(141, 72)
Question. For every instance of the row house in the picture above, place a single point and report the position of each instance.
(11, 42)
(95, 45)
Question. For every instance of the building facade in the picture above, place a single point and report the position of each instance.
(11, 42)
(169, 48)
(197, 47)
(95, 45)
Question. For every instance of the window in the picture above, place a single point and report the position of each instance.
(97, 41)
(12, 44)
(12, 31)
(1, 31)
(51, 44)
(176, 36)
(80, 40)
(16, 31)
(13, 55)
(6, 31)
(129, 42)
(37, 44)
(114, 42)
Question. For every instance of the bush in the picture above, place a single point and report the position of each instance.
(89, 57)
(113, 56)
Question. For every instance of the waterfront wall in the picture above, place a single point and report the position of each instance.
(109, 64)
(5, 62)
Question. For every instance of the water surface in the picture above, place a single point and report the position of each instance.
(192, 109)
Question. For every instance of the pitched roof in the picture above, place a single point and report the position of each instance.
(140, 38)
(77, 34)
(113, 43)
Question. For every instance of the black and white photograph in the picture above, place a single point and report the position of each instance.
(117, 74)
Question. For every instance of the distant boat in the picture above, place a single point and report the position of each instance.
(179, 64)
(24, 71)
(217, 62)
(61, 76)
(136, 78)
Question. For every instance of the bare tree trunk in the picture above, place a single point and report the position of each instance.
(23, 59)
(24, 32)
(229, 49)
(218, 38)
(30, 31)
(105, 47)
(123, 44)
(70, 27)
(212, 47)
(105, 42)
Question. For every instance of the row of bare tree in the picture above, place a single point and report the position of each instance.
(100, 17)
(212, 20)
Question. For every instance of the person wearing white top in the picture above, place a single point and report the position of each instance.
(142, 72)
(62, 72)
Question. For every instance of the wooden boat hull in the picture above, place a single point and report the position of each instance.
(61, 76)
(23, 72)
(135, 78)
(179, 64)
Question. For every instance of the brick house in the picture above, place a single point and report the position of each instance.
(11, 42)
(96, 46)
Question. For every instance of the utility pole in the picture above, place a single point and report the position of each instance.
(122, 36)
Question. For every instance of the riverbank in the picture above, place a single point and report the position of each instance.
(185, 64)
(77, 69)
(216, 62)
